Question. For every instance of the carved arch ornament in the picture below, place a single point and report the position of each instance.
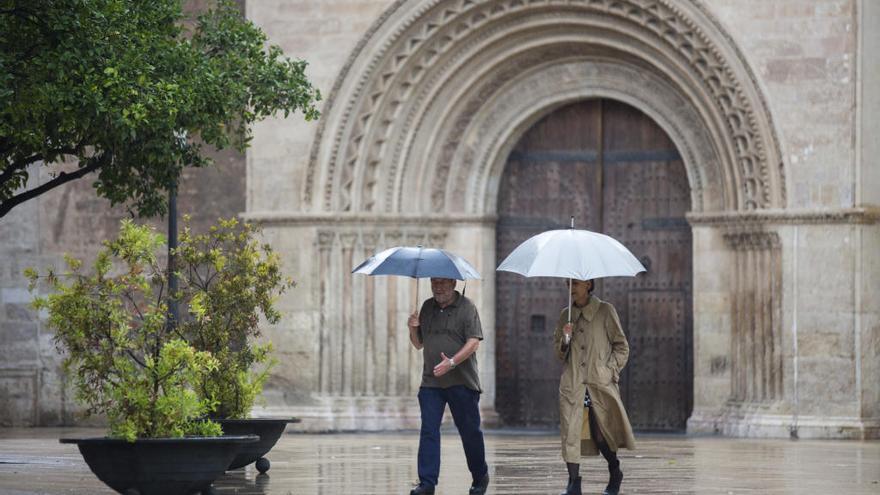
(437, 92)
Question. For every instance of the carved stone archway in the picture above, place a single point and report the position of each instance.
(430, 54)
(419, 123)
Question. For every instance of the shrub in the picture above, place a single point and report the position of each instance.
(112, 328)
(229, 281)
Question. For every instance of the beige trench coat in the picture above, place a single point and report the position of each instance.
(597, 353)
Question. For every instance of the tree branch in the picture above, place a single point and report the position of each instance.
(128, 296)
(23, 163)
(63, 177)
(15, 166)
(135, 358)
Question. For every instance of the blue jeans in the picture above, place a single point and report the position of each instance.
(465, 406)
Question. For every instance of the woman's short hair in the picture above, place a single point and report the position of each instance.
(592, 284)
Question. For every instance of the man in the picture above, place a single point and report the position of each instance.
(448, 331)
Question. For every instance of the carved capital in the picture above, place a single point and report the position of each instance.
(348, 240)
(754, 240)
(437, 239)
(416, 238)
(393, 239)
(325, 239)
(370, 240)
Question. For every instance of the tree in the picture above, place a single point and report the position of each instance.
(131, 90)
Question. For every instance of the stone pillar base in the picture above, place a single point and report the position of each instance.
(738, 423)
(339, 414)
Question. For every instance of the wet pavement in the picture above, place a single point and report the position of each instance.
(33, 462)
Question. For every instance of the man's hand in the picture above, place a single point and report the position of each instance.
(444, 366)
(414, 337)
(413, 320)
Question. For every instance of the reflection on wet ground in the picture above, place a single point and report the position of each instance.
(32, 461)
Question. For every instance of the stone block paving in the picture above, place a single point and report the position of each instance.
(33, 462)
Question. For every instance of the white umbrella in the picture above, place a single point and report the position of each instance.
(571, 253)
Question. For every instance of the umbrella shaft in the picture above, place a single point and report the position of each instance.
(569, 300)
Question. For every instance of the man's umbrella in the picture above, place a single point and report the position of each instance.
(418, 262)
(570, 253)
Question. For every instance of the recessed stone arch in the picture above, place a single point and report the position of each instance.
(414, 57)
(418, 125)
(477, 163)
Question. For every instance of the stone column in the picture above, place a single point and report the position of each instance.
(756, 352)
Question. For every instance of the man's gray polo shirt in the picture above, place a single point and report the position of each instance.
(446, 330)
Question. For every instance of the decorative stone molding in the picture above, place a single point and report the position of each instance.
(353, 219)
(786, 217)
(751, 241)
(401, 66)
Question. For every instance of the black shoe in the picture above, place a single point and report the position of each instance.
(422, 489)
(479, 487)
(574, 487)
(613, 487)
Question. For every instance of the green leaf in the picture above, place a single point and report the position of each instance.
(111, 84)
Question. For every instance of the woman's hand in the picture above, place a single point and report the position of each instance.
(566, 332)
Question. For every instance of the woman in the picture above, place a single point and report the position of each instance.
(594, 350)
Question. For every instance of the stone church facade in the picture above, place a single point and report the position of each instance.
(768, 115)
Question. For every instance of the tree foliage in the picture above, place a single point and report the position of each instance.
(126, 89)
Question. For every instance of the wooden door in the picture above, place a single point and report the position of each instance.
(617, 172)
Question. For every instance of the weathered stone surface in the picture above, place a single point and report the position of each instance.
(34, 461)
(418, 149)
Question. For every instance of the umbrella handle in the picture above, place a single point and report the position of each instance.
(417, 294)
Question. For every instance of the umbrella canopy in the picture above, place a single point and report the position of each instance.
(569, 253)
(418, 262)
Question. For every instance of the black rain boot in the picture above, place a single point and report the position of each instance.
(574, 487)
(614, 482)
(615, 474)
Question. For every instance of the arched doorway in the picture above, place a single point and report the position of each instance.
(617, 172)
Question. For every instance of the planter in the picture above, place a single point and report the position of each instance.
(269, 430)
(160, 466)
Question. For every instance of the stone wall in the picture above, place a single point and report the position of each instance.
(811, 58)
(805, 58)
(72, 219)
(805, 262)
